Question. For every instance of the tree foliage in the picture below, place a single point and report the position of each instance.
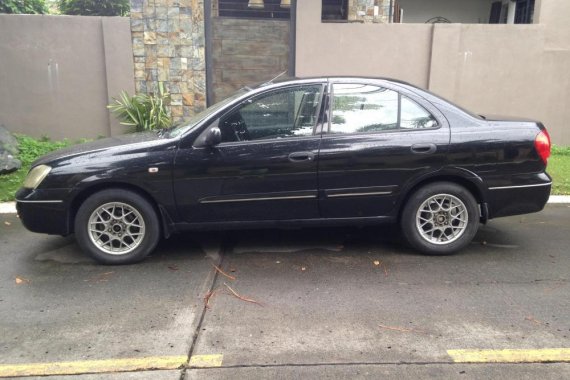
(95, 7)
(23, 6)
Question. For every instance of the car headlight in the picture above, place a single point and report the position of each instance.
(36, 176)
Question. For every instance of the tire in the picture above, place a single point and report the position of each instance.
(440, 218)
(125, 227)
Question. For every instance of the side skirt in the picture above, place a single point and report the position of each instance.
(292, 223)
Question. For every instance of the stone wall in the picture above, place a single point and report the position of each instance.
(168, 47)
(247, 51)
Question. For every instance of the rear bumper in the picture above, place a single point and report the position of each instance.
(43, 212)
(519, 198)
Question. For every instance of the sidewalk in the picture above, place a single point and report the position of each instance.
(10, 207)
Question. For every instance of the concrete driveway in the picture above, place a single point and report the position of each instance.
(318, 303)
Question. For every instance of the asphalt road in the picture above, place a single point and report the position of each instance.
(315, 303)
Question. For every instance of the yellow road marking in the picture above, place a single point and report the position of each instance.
(511, 355)
(93, 366)
(206, 361)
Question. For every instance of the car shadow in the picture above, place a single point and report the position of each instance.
(198, 245)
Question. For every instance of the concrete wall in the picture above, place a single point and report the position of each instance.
(519, 70)
(58, 73)
(247, 51)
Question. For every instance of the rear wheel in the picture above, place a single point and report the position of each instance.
(440, 218)
(117, 226)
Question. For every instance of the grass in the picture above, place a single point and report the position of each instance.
(31, 149)
(559, 170)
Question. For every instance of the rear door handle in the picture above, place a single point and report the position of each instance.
(424, 148)
(301, 156)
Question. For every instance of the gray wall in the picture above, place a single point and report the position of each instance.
(519, 70)
(247, 51)
(58, 73)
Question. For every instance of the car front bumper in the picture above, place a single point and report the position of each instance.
(44, 211)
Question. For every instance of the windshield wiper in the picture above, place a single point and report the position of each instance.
(162, 131)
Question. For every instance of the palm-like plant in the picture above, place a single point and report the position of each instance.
(143, 112)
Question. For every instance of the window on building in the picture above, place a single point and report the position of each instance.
(496, 10)
(335, 10)
(359, 108)
(431, 12)
(276, 9)
(524, 13)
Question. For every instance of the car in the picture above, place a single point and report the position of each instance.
(296, 152)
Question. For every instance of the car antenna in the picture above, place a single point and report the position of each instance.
(271, 81)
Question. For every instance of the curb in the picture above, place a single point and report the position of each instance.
(10, 207)
(559, 199)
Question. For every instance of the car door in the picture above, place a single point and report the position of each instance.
(379, 139)
(265, 166)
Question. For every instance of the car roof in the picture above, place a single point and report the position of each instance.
(286, 79)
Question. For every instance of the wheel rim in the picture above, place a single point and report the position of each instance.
(116, 228)
(442, 219)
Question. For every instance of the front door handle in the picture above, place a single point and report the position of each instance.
(301, 156)
(424, 148)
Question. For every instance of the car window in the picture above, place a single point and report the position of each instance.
(289, 112)
(361, 108)
(414, 116)
(194, 120)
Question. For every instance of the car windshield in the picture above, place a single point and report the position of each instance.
(194, 120)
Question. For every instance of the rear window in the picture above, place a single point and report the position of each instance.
(362, 108)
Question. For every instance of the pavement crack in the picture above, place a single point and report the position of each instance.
(349, 364)
(224, 248)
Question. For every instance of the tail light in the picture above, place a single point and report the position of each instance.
(542, 145)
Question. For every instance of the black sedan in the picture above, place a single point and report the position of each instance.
(302, 152)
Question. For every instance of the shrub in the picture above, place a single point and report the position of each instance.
(143, 112)
(95, 7)
(23, 6)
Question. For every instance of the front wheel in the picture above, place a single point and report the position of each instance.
(440, 218)
(117, 226)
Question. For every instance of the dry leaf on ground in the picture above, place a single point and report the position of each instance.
(235, 294)
(217, 268)
(21, 280)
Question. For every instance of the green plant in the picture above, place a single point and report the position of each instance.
(95, 7)
(560, 150)
(559, 170)
(30, 150)
(23, 6)
(143, 112)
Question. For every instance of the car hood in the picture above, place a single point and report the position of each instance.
(126, 142)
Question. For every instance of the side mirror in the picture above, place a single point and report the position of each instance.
(210, 137)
